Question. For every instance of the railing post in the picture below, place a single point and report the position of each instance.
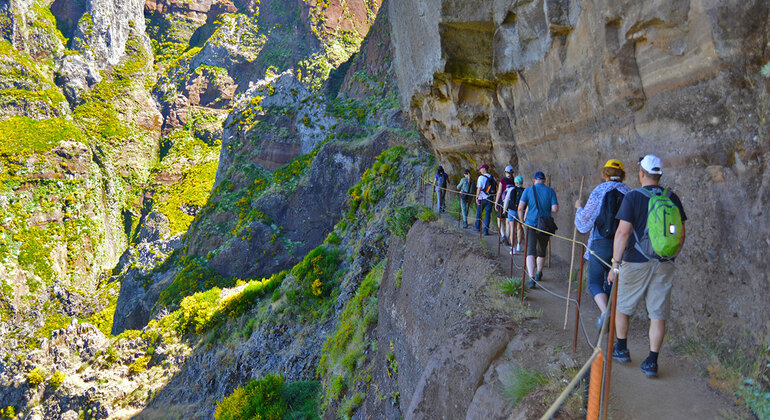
(579, 295)
(610, 348)
(459, 209)
(524, 266)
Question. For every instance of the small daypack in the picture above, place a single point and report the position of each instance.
(606, 223)
(441, 180)
(662, 235)
(491, 188)
(509, 193)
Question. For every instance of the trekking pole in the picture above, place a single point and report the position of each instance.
(572, 258)
(610, 348)
(579, 295)
(548, 182)
(524, 266)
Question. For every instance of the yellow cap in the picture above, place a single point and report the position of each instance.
(614, 163)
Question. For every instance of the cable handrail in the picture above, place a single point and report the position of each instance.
(597, 349)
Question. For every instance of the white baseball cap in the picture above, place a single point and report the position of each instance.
(651, 164)
(509, 169)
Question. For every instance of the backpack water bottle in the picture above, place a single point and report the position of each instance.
(663, 233)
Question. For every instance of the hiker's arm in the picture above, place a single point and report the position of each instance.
(619, 247)
(499, 191)
(555, 208)
(522, 205)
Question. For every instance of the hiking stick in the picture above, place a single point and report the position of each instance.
(572, 258)
(579, 294)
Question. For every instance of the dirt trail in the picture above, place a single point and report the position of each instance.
(678, 393)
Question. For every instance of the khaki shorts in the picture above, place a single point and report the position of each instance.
(650, 280)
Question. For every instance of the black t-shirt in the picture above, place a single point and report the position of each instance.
(634, 210)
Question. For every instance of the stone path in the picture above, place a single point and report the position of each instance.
(679, 393)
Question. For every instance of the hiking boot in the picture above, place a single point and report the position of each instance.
(650, 368)
(622, 356)
(532, 284)
(486, 232)
(465, 226)
(539, 276)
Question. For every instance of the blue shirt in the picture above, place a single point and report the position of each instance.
(546, 197)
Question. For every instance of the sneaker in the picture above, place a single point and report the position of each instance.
(532, 284)
(600, 320)
(486, 233)
(518, 248)
(465, 226)
(622, 356)
(539, 276)
(650, 369)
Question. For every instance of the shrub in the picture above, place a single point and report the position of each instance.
(8, 412)
(57, 379)
(194, 277)
(512, 286)
(319, 264)
(139, 365)
(36, 376)
(427, 214)
(234, 306)
(259, 399)
(197, 311)
(402, 220)
(519, 383)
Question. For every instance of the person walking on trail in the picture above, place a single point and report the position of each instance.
(650, 235)
(485, 192)
(511, 206)
(597, 216)
(537, 201)
(440, 183)
(466, 193)
(502, 190)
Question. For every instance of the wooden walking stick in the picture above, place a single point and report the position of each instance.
(572, 258)
(579, 294)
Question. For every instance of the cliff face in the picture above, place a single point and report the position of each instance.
(562, 86)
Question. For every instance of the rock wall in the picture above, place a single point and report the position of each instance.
(563, 85)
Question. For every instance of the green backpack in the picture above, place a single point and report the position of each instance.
(663, 232)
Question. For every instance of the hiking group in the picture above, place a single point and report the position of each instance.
(634, 235)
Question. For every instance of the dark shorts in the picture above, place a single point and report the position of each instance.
(597, 271)
(537, 243)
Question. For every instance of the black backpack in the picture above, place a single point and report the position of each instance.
(606, 223)
(491, 187)
(441, 180)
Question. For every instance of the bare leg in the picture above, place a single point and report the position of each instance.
(531, 265)
(601, 301)
(657, 332)
(540, 263)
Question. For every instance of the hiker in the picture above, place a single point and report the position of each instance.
(649, 236)
(440, 183)
(485, 191)
(511, 206)
(502, 189)
(466, 193)
(539, 201)
(597, 216)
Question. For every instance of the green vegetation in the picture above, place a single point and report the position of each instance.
(139, 365)
(56, 380)
(270, 398)
(236, 305)
(195, 276)
(315, 272)
(343, 363)
(368, 192)
(36, 376)
(519, 383)
(511, 286)
(402, 220)
(8, 412)
(21, 136)
(741, 374)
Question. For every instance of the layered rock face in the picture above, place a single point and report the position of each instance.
(562, 86)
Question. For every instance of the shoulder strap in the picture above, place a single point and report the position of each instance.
(537, 205)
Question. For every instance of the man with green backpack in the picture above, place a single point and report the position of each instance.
(649, 237)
